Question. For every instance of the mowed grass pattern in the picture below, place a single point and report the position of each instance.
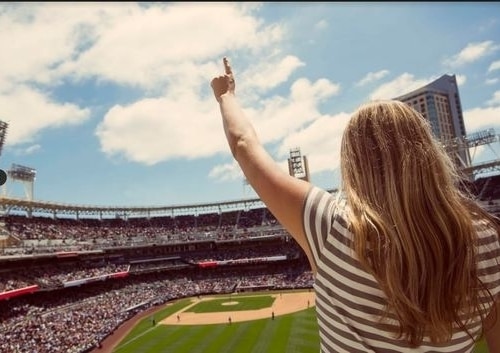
(288, 333)
(291, 333)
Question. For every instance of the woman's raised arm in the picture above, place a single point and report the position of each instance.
(283, 194)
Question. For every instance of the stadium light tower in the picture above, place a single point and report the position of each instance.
(455, 146)
(297, 165)
(25, 175)
(3, 133)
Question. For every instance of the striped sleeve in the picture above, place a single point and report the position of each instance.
(318, 212)
(488, 261)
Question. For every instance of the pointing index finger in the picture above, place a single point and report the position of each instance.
(227, 67)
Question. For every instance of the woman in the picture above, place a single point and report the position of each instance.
(404, 260)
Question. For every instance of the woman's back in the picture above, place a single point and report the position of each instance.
(350, 302)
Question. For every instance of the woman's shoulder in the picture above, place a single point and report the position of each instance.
(487, 233)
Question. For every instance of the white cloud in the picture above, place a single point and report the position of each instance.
(154, 48)
(55, 32)
(461, 79)
(28, 111)
(495, 65)
(402, 84)
(184, 126)
(481, 119)
(279, 116)
(151, 47)
(24, 150)
(270, 73)
(372, 77)
(226, 172)
(321, 25)
(471, 53)
(491, 81)
(319, 141)
(157, 129)
(32, 149)
(495, 100)
(477, 119)
(168, 47)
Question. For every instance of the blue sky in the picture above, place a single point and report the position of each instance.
(111, 102)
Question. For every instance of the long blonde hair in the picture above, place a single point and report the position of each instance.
(413, 225)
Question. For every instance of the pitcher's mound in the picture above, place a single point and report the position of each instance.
(284, 303)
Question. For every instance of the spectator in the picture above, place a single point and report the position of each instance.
(404, 259)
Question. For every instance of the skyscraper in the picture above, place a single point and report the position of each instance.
(439, 102)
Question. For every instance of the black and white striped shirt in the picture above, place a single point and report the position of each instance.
(349, 302)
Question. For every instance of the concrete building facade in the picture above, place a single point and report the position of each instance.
(439, 102)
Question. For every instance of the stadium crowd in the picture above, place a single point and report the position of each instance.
(52, 275)
(47, 234)
(75, 320)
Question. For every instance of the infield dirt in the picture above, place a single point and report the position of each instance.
(284, 303)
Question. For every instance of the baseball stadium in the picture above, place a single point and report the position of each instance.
(221, 277)
(195, 278)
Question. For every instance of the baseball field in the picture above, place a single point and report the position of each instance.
(268, 322)
(236, 323)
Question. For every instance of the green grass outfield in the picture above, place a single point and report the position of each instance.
(291, 333)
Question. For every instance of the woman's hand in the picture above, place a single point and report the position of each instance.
(225, 84)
